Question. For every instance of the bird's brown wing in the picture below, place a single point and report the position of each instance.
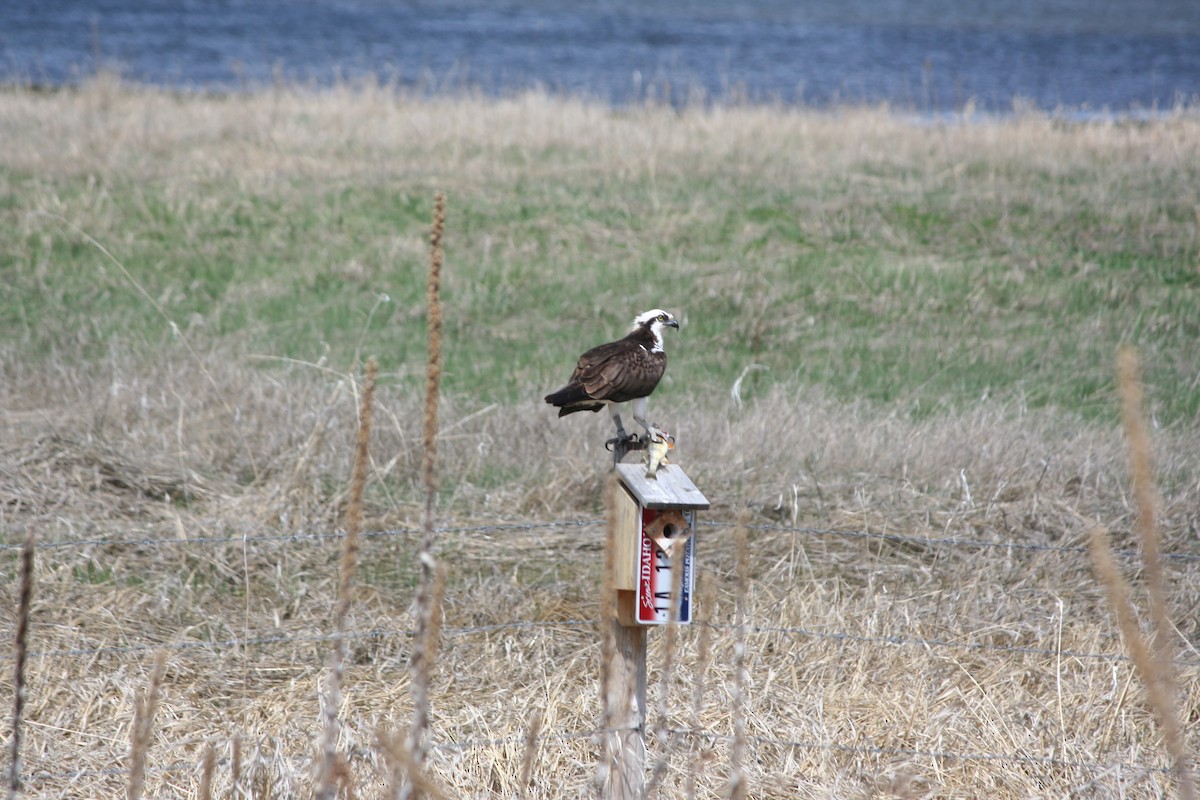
(605, 377)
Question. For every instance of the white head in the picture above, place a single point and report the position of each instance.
(654, 321)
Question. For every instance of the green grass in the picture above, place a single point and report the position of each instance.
(919, 278)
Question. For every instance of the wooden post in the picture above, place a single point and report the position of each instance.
(636, 499)
(626, 738)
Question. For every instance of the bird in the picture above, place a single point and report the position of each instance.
(621, 371)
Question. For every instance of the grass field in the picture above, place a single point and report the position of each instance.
(924, 318)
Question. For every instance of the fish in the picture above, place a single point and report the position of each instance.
(656, 453)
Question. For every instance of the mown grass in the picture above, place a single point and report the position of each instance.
(917, 266)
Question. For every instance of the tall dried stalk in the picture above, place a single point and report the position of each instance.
(738, 783)
(208, 768)
(145, 707)
(429, 595)
(411, 754)
(530, 755)
(433, 372)
(1154, 661)
(21, 653)
(1145, 495)
(663, 729)
(703, 657)
(235, 766)
(400, 763)
(327, 788)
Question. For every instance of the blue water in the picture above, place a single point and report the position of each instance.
(924, 55)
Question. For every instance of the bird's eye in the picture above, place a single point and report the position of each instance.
(662, 317)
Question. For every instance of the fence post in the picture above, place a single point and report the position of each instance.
(626, 745)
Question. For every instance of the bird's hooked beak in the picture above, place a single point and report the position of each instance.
(673, 323)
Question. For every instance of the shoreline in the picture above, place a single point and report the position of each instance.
(681, 102)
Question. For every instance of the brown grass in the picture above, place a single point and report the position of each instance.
(1035, 481)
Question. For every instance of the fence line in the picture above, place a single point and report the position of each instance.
(383, 633)
(564, 737)
(228, 644)
(898, 538)
(297, 537)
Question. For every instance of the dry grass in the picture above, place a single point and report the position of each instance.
(866, 704)
(892, 659)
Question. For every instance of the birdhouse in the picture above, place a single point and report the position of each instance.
(655, 542)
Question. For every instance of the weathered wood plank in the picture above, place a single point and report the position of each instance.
(627, 542)
(671, 489)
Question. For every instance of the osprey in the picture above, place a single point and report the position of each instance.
(613, 373)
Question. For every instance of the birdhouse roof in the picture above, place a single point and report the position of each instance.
(670, 489)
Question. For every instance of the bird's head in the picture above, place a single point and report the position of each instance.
(654, 321)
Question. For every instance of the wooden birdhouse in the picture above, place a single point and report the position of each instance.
(655, 541)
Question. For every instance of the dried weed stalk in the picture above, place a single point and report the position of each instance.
(531, 742)
(425, 647)
(708, 595)
(1145, 495)
(1153, 661)
(235, 766)
(327, 788)
(663, 729)
(403, 769)
(738, 782)
(433, 373)
(433, 578)
(21, 653)
(143, 726)
(208, 767)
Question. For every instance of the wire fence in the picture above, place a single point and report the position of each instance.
(450, 631)
(331, 536)
(1029, 761)
(566, 737)
(322, 536)
(285, 538)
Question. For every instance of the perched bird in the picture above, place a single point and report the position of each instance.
(620, 371)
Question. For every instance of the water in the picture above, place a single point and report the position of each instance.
(926, 55)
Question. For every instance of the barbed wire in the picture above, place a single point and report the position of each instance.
(565, 737)
(450, 631)
(579, 624)
(941, 755)
(300, 537)
(316, 638)
(949, 541)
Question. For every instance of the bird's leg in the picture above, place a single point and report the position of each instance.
(616, 418)
(624, 442)
(639, 416)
